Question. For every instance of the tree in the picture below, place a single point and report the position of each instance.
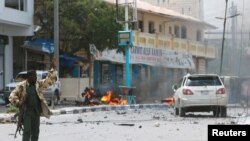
(82, 22)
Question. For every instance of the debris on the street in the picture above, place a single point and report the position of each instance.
(106, 117)
(79, 120)
(156, 117)
(140, 126)
(49, 123)
(157, 124)
(121, 112)
(125, 124)
(195, 122)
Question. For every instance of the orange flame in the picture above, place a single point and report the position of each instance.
(168, 101)
(106, 98)
(112, 101)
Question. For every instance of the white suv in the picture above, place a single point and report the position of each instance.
(200, 92)
(52, 94)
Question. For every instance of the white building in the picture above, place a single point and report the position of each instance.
(16, 19)
(193, 8)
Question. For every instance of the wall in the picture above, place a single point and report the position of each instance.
(14, 22)
(73, 87)
(192, 28)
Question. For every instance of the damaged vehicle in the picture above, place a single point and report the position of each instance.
(200, 93)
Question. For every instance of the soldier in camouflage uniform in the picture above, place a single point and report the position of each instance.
(36, 104)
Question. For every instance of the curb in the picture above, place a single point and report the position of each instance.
(5, 118)
(77, 110)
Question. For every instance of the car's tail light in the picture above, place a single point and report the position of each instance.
(221, 91)
(187, 92)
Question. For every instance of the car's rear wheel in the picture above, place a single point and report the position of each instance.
(216, 112)
(181, 110)
(220, 111)
(223, 111)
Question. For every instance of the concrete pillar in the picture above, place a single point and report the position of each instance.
(8, 61)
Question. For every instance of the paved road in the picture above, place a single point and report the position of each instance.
(129, 125)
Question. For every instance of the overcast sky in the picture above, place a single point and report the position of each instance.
(216, 8)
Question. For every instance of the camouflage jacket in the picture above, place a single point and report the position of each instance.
(19, 92)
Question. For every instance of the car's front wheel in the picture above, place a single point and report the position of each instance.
(55, 98)
(176, 111)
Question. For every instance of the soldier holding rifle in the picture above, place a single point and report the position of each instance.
(29, 98)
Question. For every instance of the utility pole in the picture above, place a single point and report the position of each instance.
(56, 34)
(223, 38)
(234, 47)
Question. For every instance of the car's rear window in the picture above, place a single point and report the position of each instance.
(203, 81)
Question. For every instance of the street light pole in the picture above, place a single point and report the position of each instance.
(223, 38)
(56, 34)
(127, 56)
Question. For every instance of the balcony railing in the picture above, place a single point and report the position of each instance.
(197, 49)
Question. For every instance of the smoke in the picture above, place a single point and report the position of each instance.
(156, 85)
(236, 54)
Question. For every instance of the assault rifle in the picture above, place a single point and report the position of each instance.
(20, 115)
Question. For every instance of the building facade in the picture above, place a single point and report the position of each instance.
(16, 19)
(193, 8)
(158, 28)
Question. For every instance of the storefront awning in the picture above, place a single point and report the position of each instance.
(157, 57)
(70, 60)
(40, 45)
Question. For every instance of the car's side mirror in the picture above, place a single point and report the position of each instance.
(174, 87)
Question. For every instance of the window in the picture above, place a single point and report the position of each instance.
(198, 35)
(105, 73)
(17, 4)
(170, 30)
(160, 28)
(141, 26)
(151, 28)
(203, 81)
(183, 32)
(177, 31)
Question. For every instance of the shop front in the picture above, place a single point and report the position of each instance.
(153, 70)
